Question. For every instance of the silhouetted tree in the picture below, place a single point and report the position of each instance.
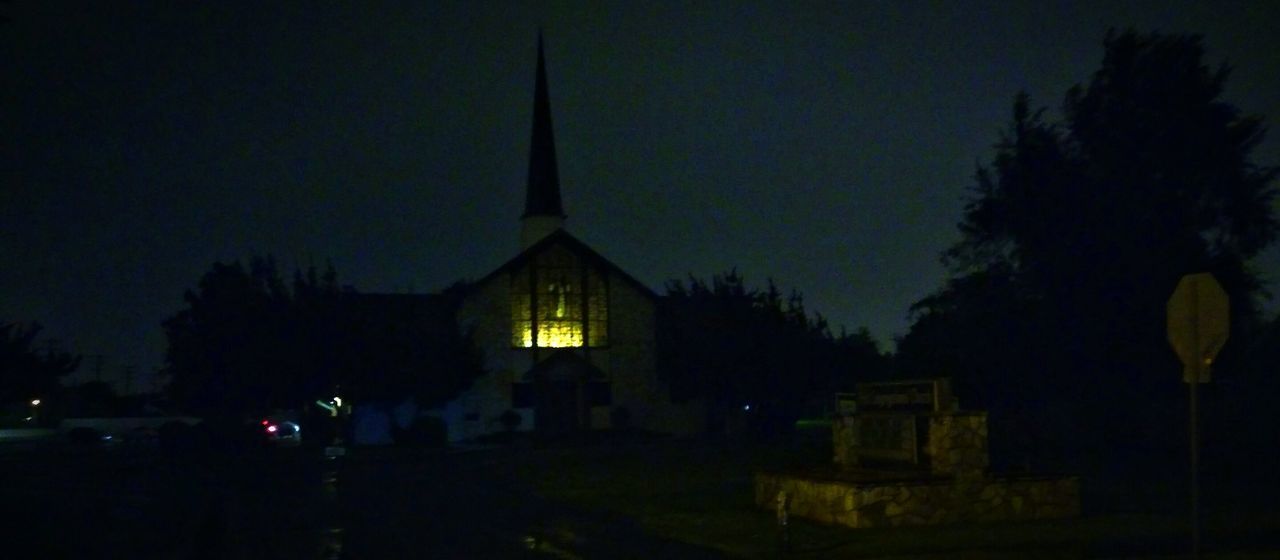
(404, 345)
(1077, 233)
(246, 343)
(735, 346)
(231, 349)
(26, 372)
(1246, 414)
(93, 398)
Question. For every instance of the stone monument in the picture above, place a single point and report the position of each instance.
(905, 453)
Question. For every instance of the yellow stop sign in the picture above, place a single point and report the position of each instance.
(1199, 322)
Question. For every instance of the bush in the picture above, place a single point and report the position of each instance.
(620, 418)
(426, 431)
(510, 420)
(226, 434)
(176, 436)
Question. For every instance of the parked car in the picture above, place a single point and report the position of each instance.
(281, 432)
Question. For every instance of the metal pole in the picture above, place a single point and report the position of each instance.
(1195, 464)
(1196, 367)
(784, 530)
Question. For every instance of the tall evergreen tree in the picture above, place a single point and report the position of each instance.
(1078, 231)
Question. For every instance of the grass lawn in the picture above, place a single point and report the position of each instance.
(701, 493)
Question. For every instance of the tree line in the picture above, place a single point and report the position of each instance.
(754, 350)
(27, 372)
(1074, 236)
(247, 342)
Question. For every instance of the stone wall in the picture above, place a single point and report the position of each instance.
(935, 472)
(920, 502)
(845, 441)
(957, 444)
(632, 338)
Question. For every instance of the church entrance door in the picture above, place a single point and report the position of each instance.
(560, 397)
(558, 407)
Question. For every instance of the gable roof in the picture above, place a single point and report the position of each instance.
(573, 244)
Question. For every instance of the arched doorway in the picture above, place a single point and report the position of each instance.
(561, 404)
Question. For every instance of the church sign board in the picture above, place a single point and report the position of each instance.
(917, 395)
(888, 424)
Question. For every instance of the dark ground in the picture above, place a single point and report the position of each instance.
(398, 503)
(67, 501)
(59, 500)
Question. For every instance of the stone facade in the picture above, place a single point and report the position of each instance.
(627, 363)
(845, 441)
(957, 444)
(632, 359)
(830, 499)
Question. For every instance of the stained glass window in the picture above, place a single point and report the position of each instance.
(560, 299)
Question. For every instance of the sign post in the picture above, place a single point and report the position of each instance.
(1198, 315)
(784, 529)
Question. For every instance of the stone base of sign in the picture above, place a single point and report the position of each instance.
(898, 462)
(862, 498)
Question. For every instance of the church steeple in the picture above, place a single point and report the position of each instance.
(543, 213)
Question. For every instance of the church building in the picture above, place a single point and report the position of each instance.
(568, 338)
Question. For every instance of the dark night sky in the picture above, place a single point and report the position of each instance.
(828, 146)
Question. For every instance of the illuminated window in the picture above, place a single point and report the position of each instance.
(561, 300)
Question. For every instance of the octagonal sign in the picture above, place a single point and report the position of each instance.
(1198, 315)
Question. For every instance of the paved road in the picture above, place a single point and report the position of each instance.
(451, 505)
(64, 501)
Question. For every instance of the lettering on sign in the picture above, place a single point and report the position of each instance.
(924, 395)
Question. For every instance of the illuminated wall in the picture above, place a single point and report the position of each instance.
(557, 301)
